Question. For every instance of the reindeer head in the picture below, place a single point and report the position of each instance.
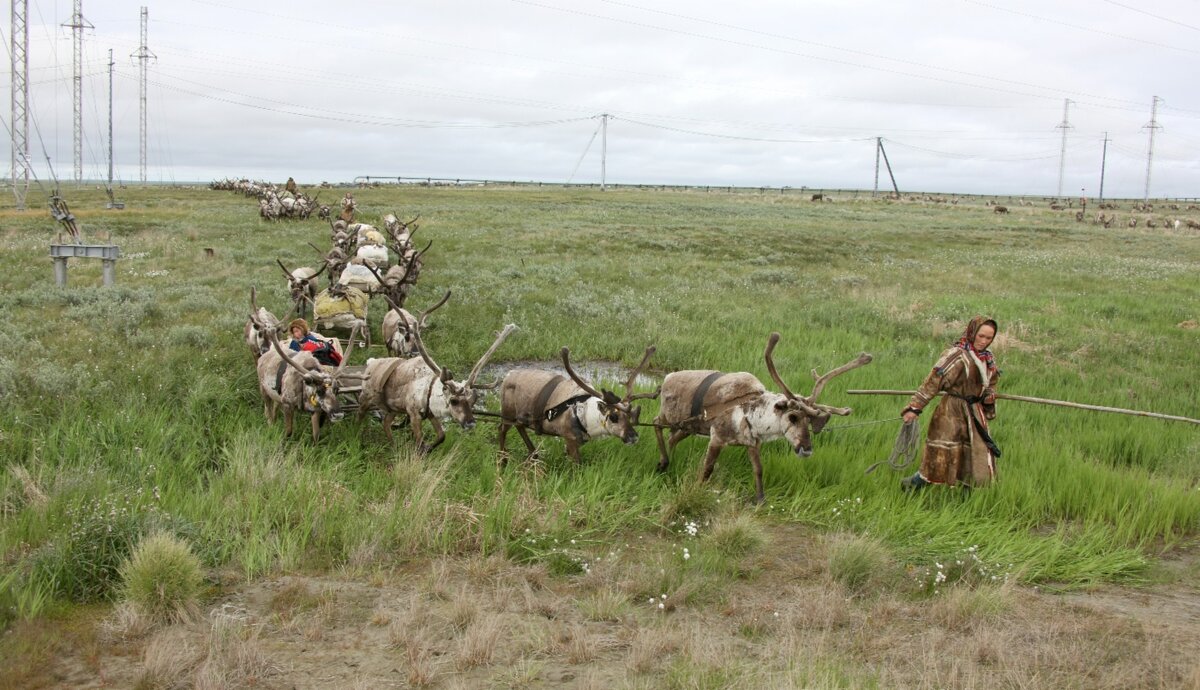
(800, 416)
(460, 396)
(301, 281)
(404, 340)
(619, 416)
(263, 323)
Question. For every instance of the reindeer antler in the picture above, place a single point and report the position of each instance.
(630, 396)
(606, 396)
(863, 359)
(437, 371)
(475, 371)
(324, 265)
(286, 272)
(771, 343)
(286, 358)
(421, 319)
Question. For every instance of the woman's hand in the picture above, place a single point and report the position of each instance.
(909, 416)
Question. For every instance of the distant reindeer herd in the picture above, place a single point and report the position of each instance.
(731, 409)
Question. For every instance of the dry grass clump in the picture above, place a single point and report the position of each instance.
(32, 492)
(605, 604)
(168, 661)
(964, 607)
(693, 501)
(163, 578)
(480, 641)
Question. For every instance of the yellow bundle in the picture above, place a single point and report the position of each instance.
(353, 301)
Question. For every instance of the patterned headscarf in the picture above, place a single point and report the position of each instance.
(967, 341)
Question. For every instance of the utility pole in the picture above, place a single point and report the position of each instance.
(603, 151)
(142, 55)
(112, 202)
(878, 148)
(1103, 159)
(888, 163)
(20, 101)
(77, 25)
(1150, 150)
(1062, 157)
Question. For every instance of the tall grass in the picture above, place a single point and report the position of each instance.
(145, 389)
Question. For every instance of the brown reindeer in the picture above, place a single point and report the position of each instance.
(421, 389)
(737, 410)
(400, 327)
(999, 209)
(569, 408)
(302, 285)
(298, 383)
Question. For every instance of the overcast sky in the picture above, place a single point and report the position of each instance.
(967, 94)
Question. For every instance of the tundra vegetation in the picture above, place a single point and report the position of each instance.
(134, 411)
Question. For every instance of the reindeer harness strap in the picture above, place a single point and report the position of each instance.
(701, 391)
(279, 377)
(543, 398)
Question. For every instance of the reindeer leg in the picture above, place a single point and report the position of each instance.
(528, 443)
(710, 460)
(502, 437)
(573, 449)
(387, 426)
(663, 458)
(415, 420)
(437, 429)
(756, 461)
(676, 437)
(288, 413)
(268, 408)
(317, 418)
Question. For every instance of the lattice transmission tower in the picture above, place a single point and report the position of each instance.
(143, 55)
(77, 25)
(20, 101)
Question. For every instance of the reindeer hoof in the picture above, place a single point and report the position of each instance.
(661, 467)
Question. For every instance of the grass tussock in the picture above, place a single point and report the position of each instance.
(163, 578)
(860, 564)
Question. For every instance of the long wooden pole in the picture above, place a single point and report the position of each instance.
(1046, 401)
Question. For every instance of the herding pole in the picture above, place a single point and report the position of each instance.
(1046, 401)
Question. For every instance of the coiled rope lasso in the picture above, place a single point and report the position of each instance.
(904, 452)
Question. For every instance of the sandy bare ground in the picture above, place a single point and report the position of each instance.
(473, 622)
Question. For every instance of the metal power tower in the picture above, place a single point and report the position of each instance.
(20, 101)
(77, 25)
(142, 55)
(1153, 126)
(1062, 156)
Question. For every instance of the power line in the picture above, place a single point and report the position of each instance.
(1151, 14)
(757, 46)
(1082, 28)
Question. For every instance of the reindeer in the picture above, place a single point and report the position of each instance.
(299, 383)
(302, 285)
(999, 209)
(260, 324)
(399, 280)
(572, 409)
(737, 410)
(335, 259)
(421, 389)
(400, 327)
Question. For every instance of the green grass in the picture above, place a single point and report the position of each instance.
(143, 393)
